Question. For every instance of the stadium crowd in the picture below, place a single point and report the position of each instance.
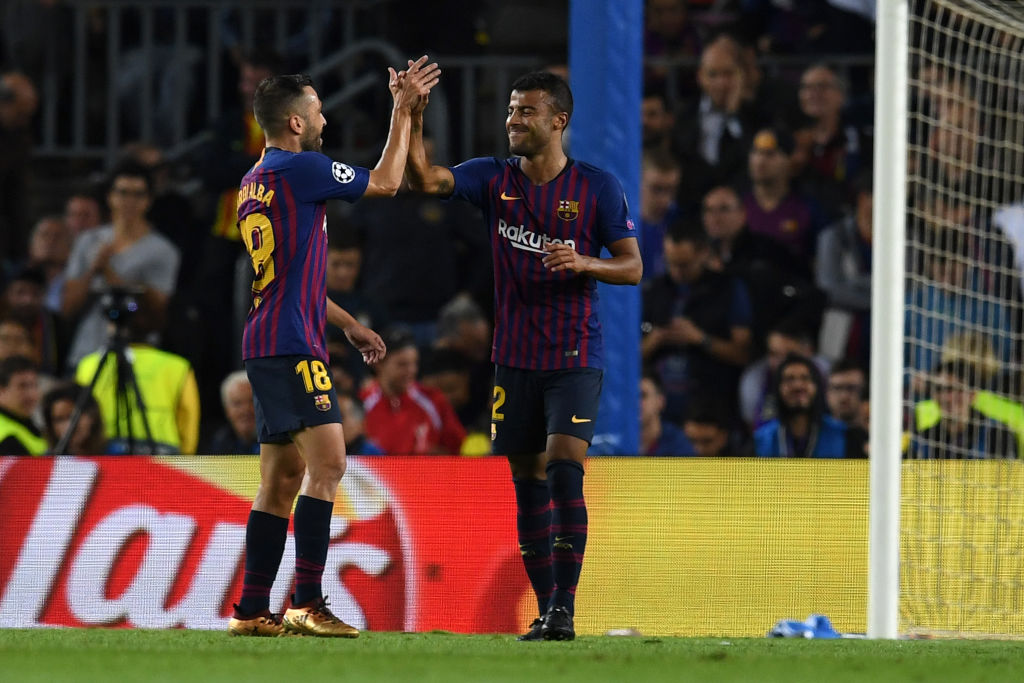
(755, 224)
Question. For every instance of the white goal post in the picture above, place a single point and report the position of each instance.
(946, 540)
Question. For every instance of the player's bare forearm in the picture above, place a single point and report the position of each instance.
(339, 317)
(625, 269)
(386, 176)
(423, 177)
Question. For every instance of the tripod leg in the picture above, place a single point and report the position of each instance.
(126, 382)
(83, 398)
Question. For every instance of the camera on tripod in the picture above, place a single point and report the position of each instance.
(120, 304)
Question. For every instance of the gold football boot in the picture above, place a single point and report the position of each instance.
(316, 619)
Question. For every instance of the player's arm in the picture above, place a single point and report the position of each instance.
(415, 83)
(424, 177)
(625, 267)
(363, 338)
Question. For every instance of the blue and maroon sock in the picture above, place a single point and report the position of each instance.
(312, 536)
(568, 529)
(533, 523)
(265, 536)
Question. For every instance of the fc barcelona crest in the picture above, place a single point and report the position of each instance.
(322, 402)
(568, 209)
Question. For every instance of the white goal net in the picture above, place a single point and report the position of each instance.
(962, 517)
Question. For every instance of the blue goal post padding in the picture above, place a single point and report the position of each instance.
(606, 75)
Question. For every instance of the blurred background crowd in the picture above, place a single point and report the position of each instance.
(125, 129)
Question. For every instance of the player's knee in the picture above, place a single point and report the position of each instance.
(328, 470)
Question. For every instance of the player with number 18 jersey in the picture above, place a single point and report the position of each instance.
(282, 216)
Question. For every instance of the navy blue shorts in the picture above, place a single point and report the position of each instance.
(530, 404)
(290, 393)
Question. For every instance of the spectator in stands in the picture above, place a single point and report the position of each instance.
(959, 430)
(656, 120)
(16, 339)
(58, 406)
(19, 396)
(18, 102)
(238, 436)
(847, 393)
(668, 33)
(49, 246)
(696, 323)
(773, 99)
(353, 417)
(23, 301)
(82, 211)
(403, 416)
(952, 302)
(757, 390)
(709, 428)
(659, 183)
(803, 429)
(773, 208)
(836, 151)
(712, 133)
(344, 263)
(166, 382)
(464, 329)
(127, 254)
(844, 274)
(779, 288)
(170, 210)
(658, 436)
(447, 371)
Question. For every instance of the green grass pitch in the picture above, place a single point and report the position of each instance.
(177, 655)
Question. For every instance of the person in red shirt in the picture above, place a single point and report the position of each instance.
(402, 416)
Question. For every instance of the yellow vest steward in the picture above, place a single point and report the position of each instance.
(163, 379)
(36, 445)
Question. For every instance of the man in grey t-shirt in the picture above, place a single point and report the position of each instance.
(127, 253)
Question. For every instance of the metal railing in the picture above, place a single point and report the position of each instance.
(118, 71)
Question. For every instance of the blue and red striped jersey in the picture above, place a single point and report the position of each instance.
(282, 217)
(544, 320)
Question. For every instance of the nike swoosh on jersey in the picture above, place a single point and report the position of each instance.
(580, 420)
(507, 198)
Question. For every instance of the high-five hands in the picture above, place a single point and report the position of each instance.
(410, 87)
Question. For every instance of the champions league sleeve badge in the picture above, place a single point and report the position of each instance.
(343, 173)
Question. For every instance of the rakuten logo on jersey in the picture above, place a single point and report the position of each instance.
(131, 542)
(528, 240)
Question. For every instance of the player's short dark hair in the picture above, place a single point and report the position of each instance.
(275, 96)
(11, 366)
(131, 168)
(552, 84)
(689, 230)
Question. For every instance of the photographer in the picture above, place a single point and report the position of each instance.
(126, 253)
